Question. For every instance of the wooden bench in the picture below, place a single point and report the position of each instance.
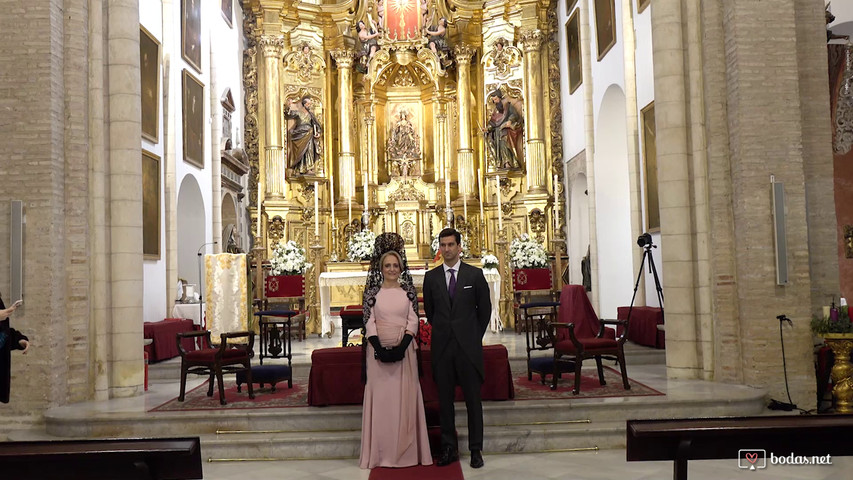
(720, 438)
(128, 459)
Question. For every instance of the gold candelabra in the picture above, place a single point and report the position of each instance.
(502, 247)
(314, 310)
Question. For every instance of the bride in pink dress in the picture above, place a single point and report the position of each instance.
(393, 429)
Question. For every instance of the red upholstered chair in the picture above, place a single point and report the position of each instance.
(215, 361)
(580, 334)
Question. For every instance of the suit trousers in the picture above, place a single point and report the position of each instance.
(454, 369)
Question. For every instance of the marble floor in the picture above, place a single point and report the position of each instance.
(601, 465)
(604, 464)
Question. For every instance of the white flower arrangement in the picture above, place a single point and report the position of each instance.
(434, 247)
(490, 262)
(288, 259)
(360, 245)
(525, 252)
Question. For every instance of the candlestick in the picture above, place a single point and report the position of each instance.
(480, 189)
(259, 210)
(446, 186)
(365, 191)
(465, 207)
(332, 201)
(349, 211)
(316, 209)
(500, 211)
(556, 207)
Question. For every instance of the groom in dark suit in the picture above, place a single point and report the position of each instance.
(458, 306)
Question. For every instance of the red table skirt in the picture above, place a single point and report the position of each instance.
(164, 334)
(643, 327)
(335, 377)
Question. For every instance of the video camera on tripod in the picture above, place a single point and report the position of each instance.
(645, 242)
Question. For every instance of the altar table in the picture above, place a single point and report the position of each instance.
(335, 377)
(189, 310)
(330, 279)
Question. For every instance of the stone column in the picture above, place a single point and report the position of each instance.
(629, 56)
(99, 377)
(215, 156)
(531, 41)
(125, 198)
(674, 189)
(346, 157)
(465, 154)
(273, 152)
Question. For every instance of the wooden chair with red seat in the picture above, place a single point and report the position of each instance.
(580, 334)
(215, 361)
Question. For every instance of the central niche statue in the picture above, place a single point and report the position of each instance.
(403, 146)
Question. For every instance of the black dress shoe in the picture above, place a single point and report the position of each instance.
(477, 459)
(448, 456)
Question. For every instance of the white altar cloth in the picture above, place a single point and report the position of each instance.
(330, 279)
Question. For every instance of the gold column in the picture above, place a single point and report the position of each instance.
(273, 152)
(441, 164)
(464, 153)
(370, 156)
(346, 158)
(531, 41)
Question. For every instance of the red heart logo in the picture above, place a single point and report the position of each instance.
(752, 457)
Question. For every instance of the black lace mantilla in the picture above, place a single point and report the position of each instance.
(387, 242)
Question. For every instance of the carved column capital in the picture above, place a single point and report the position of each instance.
(463, 53)
(531, 40)
(343, 58)
(272, 46)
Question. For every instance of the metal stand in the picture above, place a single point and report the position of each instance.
(647, 252)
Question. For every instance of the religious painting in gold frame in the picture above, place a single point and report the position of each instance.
(650, 167)
(642, 4)
(228, 12)
(149, 72)
(192, 95)
(150, 206)
(191, 32)
(605, 26)
(573, 51)
(570, 4)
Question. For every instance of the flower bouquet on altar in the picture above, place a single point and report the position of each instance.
(360, 246)
(490, 263)
(525, 252)
(288, 258)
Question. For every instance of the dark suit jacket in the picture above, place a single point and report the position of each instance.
(465, 318)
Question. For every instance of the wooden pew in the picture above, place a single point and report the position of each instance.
(681, 440)
(128, 459)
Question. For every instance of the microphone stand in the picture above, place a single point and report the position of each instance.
(201, 290)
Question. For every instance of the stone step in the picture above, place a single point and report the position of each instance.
(347, 444)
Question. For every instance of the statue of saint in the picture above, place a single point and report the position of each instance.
(305, 146)
(504, 133)
(368, 39)
(438, 37)
(403, 145)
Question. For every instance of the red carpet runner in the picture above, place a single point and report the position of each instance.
(420, 472)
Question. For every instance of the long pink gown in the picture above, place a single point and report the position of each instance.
(393, 426)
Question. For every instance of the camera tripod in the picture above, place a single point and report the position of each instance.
(645, 241)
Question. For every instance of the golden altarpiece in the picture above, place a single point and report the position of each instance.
(404, 116)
